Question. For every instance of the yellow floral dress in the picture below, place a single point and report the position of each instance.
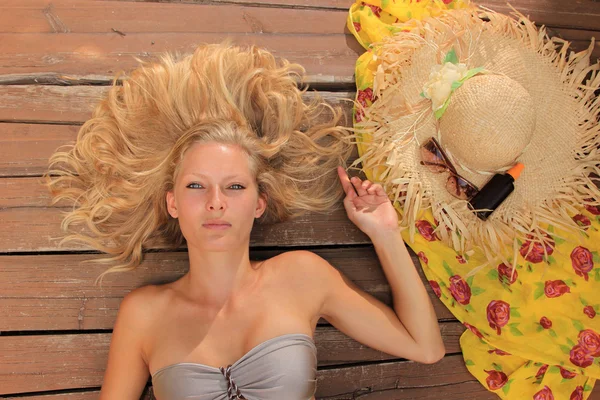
(533, 334)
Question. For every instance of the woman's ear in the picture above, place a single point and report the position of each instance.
(261, 205)
(171, 206)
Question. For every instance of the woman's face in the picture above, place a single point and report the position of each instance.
(215, 197)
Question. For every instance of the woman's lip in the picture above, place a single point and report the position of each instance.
(216, 226)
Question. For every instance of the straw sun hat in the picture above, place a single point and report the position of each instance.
(493, 90)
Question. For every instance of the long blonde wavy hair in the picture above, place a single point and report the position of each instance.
(126, 156)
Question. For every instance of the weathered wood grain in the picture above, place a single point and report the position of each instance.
(26, 148)
(62, 362)
(30, 224)
(580, 14)
(74, 104)
(89, 51)
(100, 56)
(57, 292)
(398, 380)
(81, 16)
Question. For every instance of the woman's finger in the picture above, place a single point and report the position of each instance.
(345, 180)
(380, 191)
(358, 186)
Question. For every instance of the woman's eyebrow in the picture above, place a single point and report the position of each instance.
(204, 176)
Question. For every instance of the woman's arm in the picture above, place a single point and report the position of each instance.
(411, 301)
(127, 373)
(409, 330)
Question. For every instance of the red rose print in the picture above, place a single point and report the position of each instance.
(376, 10)
(474, 330)
(495, 379)
(426, 230)
(566, 373)
(448, 1)
(582, 261)
(577, 393)
(362, 97)
(546, 323)
(499, 352)
(461, 259)
(460, 290)
(498, 314)
(534, 252)
(504, 274)
(423, 257)
(582, 220)
(544, 394)
(589, 311)
(359, 115)
(436, 288)
(541, 372)
(595, 210)
(356, 26)
(580, 357)
(590, 342)
(556, 288)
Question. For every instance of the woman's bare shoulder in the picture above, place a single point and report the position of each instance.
(300, 258)
(144, 303)
(301, 266)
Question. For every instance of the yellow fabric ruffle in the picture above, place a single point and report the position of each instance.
(532, 334)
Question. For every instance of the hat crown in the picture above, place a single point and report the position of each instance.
(489, 122)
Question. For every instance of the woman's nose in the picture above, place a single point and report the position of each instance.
(215, 200)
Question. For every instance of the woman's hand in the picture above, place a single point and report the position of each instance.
(370, 210)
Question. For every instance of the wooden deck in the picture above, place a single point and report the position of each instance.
(56, 59)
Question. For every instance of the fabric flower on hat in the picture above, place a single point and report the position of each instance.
(445, 79)
(439, 86)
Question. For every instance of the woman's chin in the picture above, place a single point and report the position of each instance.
(221, 244)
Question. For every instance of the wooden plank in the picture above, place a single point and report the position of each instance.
(97, 58)
(38, 229)
(582, 14)
(90, 395)
(468, 388)
(60, 104)
(74, 105)
(82, 16)
(402, 380)
(100, 56)
(78, 16)
(78, 361)
(452, 391)
(57, 292)
(30, 224)
(447, 379)
(26, 148)
(296, 4)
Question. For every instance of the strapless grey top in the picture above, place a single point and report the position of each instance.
(284, 367)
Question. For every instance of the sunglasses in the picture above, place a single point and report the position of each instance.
(434, 158)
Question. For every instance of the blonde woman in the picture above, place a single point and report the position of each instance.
(197, 150)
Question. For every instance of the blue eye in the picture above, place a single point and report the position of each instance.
(235, 186)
